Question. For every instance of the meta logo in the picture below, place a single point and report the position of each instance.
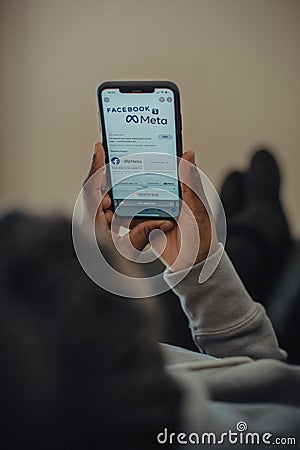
(122, 109)
(145, 119)
(130, 118)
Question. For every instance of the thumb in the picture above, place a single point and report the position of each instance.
(139, 235)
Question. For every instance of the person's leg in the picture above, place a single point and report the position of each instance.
(258, 235)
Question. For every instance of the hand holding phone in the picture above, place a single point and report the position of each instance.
(140, 231)
(180, 237)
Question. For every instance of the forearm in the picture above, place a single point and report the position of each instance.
(223, 318)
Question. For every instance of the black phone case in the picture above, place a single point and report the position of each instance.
(140, 86)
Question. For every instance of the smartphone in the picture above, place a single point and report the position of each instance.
(140, 123)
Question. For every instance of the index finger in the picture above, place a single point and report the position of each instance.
(93, 200)
(98, 161)
(191, 183)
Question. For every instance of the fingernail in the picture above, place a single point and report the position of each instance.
(95, 148)
(193, 159)
(165, 226)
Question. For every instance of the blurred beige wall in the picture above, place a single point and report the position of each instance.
(237, 63)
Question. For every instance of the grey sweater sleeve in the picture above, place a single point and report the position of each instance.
(223, 318)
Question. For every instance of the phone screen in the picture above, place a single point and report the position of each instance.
(141, 142)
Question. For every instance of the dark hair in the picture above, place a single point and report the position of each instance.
(79, 366)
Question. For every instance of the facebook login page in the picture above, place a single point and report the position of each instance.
(141, 141)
